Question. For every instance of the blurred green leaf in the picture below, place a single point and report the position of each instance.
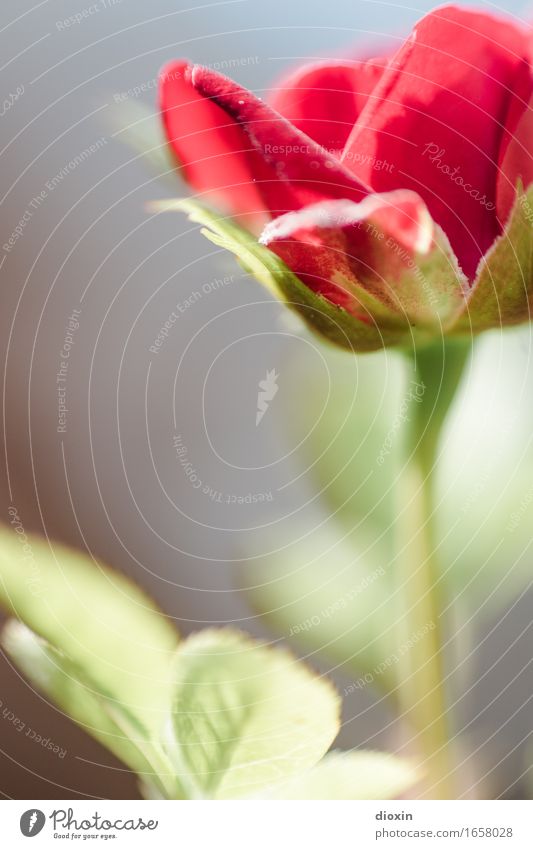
(99, 714)
(352, 443)
(140, 129)
(105, 624)
(350, 775)
(484, 468)
(324, 589)
(223, 716)
(245, 715)
(330, 587)
(351, 434)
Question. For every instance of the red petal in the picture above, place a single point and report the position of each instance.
(290, 169)
(210, 147)
(516, 160)
(353, 253)
(436, 116)
(324, 99)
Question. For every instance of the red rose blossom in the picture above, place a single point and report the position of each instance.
(397, 189)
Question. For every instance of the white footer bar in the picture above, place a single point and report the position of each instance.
(267, 825)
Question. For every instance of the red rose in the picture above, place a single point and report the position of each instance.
(397, 189)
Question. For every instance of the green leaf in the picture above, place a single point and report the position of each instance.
(105, 624)
(484, 478)
(484, 495)
(324, 589)
(330, 321)
(329, 585)
(100, 715)
(245, 715)
(350, 433)
(350, 775)
(504, 285)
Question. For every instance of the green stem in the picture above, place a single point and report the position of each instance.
(422, 691)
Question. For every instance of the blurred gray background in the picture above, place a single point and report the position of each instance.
(112, 483)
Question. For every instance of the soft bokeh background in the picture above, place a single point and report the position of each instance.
(112, 483)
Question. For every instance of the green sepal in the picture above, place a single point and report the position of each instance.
(503, 288)
(330, 321)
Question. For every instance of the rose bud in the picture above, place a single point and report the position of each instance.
(388, 200)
